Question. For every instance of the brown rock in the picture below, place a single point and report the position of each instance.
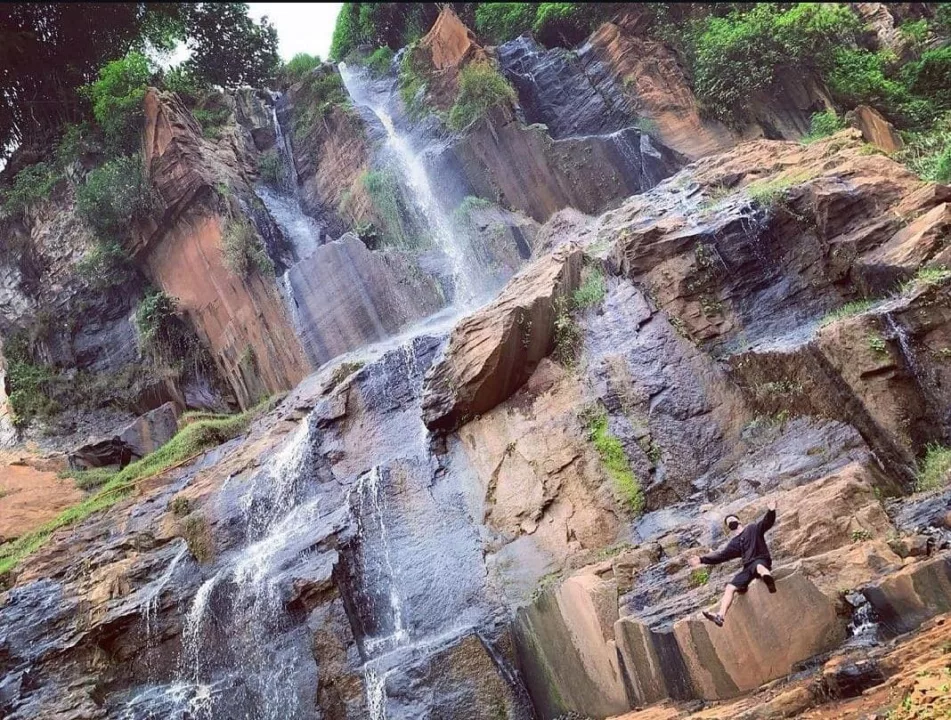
(181, 249)
(492, 352)
(876, 129)
(917, 592)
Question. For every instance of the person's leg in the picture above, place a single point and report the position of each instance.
(764, 574)
(727, 600)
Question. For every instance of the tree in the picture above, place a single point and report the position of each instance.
(228, 48)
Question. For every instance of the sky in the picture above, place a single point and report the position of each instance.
(301, 27)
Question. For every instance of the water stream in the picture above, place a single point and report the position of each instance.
(470, 281)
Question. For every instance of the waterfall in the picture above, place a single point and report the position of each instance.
(469, 280)
(149, 606)
(283, 202)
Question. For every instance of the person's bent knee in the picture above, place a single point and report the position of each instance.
(730, 587)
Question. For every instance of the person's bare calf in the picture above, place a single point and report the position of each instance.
(728, 594)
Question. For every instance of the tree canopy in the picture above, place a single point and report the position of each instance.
(48, 52)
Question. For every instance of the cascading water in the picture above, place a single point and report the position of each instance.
(470, 281)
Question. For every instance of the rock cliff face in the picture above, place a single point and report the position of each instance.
(183, 249)
(447, 517)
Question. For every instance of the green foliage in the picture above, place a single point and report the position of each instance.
(297, 68)
(593, 288)
(198, 537)
(935, 469)
(914, 31)
(33, 184)
(73, 142)
(615, 462)
(389, 207)
(113, 196)
(269, 167)
(212, 120)
(320, 92)
(481, 88)
(567, 334)
(699, 577)
(31, 390)
(379, 61)
(243, 249)
(877, 344)
(823, 124)
(564, 24)
(155, 317)
(469, 204)
(737, 56)
(859, 536)
(498, 22)
(930, 77)
(116, 98)
(181, 81)
(378, 25)
(228, 48)
(91, 478)
(856, 307)
(768, 193)
(186, 445)
(179, 506)
(105, 266)
(927, 152)
(927, 275)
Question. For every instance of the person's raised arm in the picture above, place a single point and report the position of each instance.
(766, 522)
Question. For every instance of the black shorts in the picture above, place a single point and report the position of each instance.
(748, 574)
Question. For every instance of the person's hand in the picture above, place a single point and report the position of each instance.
(771, 505)
(694, 561)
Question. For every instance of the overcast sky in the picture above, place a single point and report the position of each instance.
(301, 27)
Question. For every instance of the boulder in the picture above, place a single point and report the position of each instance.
(492, 352)
(917, 592)
(876, 129)
(151, 431)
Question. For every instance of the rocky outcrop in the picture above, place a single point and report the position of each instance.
(493, 352)
(241, 320)
(350, 297)
(31, 496)
(906, 599)
(447, 48)
(875, 129)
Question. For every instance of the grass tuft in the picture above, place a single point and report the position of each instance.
(934, 470)
(856, 307)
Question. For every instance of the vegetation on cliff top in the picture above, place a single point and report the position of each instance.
(189, 442)
(481, 88)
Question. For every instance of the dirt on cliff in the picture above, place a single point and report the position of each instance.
(31, 493)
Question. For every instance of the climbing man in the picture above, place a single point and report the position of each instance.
(748, 543)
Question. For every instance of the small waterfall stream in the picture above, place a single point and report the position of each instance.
(470, 281)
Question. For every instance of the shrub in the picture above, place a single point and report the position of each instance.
(320, 92)
(105, 266)
(73, 142)
(412, 84)
(32, 185)
(563, 24)
(181, 81)
(615, 462)
(31, 390)
(928, 152)
(383, 189)
(295, 69)
(737, 56)
(212, 115)
(930, 77)
(116, 98)
(593, 288)
(822, 124)
(198, 537)
(935, 469)
(112, 196)
(269, 168)
(243, 249)
(567, 334)
(481, 88)
(379, 61)
(699, 577)
(179, 506)
(502, 21)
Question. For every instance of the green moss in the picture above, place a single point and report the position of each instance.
(768, 193)
(186, 445)
(699, 577)
(627, 488)
(934, 469)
